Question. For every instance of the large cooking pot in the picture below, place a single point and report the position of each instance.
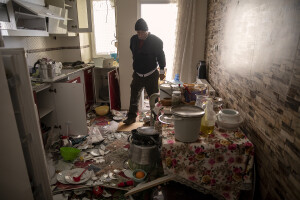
(187, 122)
(143, 155)
(144, 144)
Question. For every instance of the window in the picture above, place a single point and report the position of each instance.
(161, 19)
(104, 27)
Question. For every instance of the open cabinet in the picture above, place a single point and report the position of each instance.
(106, 87)
(62, 106)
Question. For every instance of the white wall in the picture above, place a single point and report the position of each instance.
(41, 44)
(127, 14)
(200, 32)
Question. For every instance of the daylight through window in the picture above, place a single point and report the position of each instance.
(161, 20)
(104, 27)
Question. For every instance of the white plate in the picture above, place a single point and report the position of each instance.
(61, 176)
(118, 118)
(128, 173)
(76, 172)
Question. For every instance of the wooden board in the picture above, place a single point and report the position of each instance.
(150, 184)
(127, 128)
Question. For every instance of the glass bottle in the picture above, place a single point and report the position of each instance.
(201, 100)
(208, 120)
(176, 98)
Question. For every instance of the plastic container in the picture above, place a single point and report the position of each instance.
(187, 121)
(102, 110)
(191, 90)
(69, 153)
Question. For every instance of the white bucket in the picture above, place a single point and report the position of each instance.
(187, 122)
(187, 129)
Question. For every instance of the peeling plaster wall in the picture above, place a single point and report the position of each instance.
(253, 59)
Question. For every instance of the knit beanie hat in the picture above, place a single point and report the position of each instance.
(141, 25)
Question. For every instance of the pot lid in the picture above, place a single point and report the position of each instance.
(147, 130)
(187, 111)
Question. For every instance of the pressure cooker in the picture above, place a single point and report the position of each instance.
(144, 145)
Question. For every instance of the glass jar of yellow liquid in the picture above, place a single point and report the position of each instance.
(206, 130)
(208, 120)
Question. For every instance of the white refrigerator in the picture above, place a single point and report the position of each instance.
(23, 172)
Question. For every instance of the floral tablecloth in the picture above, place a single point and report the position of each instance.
(221, 164)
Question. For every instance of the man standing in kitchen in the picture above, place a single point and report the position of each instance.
(147, 53)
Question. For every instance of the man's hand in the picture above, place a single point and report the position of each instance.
(162, 77)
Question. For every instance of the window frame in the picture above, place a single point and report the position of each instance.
(94, 54)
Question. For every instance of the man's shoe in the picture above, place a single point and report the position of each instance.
(129, 121)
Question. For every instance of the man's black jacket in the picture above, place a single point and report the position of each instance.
(151, 53)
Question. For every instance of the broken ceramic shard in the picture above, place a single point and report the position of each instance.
(101, 152)
(111, 175)
(102, 147)
(95, 152)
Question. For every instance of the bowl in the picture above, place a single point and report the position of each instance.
(229, 125)
(69, 153)
(102, 110)
(138, 180)
(229, 116)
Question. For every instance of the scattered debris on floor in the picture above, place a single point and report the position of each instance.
(104, 153)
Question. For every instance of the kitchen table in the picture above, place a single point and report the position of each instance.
(221, 164)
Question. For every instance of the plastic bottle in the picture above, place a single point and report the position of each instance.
(176, 80)
(208, 120)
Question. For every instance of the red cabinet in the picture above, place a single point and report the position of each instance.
(89, 88)
(75, 80)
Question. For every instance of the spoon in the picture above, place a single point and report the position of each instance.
(77, 179)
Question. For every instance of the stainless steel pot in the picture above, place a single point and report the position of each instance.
(143, 155)
(144, 144)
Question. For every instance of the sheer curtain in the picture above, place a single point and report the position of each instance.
(184, 46)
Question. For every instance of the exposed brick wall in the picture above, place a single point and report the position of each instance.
(253, 59)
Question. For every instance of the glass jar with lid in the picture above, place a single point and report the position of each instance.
(176, 98)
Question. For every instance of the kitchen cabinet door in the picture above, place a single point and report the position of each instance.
(15, 182)
(70, 108)
(56, 26)
(25, 112)
(75, 80)
(80, 15)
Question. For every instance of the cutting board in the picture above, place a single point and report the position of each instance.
(127, 128)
